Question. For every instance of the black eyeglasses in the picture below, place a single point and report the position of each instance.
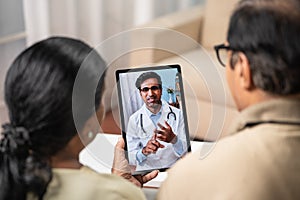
(221, 51)
(153, 88)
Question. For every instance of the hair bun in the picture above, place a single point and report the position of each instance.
(14, 139)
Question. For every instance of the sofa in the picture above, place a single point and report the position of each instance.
(185, 38)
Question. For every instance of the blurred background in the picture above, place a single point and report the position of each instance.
(23, 22)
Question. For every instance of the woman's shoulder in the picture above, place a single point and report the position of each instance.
(91, 184)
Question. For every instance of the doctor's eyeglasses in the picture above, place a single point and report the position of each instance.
(152, 88)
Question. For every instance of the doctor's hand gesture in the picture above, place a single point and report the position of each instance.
(152, 146)
(165, 133)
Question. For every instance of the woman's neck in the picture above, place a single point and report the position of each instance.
(68, 157)
(64, 161)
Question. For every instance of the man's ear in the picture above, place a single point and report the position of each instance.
(245, 72)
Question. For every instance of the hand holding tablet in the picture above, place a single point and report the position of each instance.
(121, 167)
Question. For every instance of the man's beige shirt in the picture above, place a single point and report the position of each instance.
(261, 161)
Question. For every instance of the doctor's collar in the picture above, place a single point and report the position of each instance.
(149, 113)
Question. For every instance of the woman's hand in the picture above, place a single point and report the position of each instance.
(121, 167)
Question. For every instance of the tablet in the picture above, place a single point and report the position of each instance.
(153, 117)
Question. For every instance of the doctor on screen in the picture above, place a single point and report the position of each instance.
(155, 134)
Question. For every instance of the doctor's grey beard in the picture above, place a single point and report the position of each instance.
(155, 107)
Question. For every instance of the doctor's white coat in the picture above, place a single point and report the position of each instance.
(137, 138)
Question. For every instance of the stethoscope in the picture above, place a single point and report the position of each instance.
(171, 113)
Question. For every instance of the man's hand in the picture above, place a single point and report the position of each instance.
(121, 167)
(166, 133)
(152, 146)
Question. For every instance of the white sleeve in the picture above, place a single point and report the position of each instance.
(133, 141)
(180, 146)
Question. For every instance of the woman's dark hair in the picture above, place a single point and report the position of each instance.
(145, 76)
(39, 96)
(267, 31)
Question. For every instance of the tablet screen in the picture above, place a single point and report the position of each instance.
(153, 116)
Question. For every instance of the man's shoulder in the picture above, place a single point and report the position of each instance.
(213, 164)
(232, 149)
(90, 182)
(245, 160)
